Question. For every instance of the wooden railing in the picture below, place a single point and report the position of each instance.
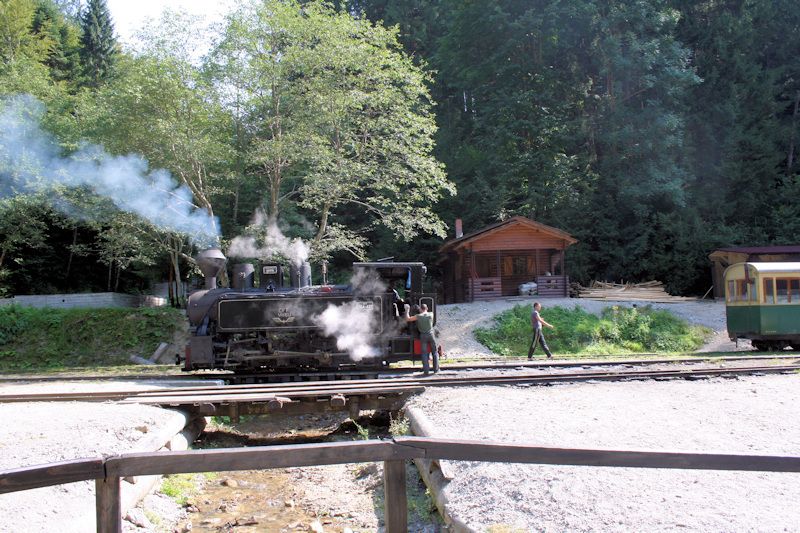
(553, 286)
(481, 288)
(109, 471)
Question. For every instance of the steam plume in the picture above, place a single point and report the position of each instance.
(30, 162)
(355, 324)
(275, 244)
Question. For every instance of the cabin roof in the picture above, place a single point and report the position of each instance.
(500, 226)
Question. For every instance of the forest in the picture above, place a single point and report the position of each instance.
(653, 131)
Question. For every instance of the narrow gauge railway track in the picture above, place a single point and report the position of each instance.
(396, 372)
(299, 390)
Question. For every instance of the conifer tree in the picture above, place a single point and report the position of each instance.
(98, 45)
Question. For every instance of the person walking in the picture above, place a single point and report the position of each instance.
(427, 339)
(538, 337)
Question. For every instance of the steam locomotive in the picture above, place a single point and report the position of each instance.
(293, 325)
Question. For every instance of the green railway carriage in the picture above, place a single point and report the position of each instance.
(762, 303)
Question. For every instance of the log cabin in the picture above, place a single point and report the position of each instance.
(493, 261)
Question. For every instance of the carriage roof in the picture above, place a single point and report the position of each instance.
(766, 267)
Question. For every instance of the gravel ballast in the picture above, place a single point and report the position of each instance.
(753, 415)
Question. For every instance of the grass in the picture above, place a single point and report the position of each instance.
(619, 330)
(49, 339)
(181, 487)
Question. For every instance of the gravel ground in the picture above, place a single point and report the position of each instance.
(39, 433)
(756, 415)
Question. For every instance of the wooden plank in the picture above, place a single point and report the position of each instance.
(395, 501)
(108, 506)
(493, 452)
(256, 458)
(33, 477)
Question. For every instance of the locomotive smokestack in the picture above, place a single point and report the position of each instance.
(459, 228)
(211, 263)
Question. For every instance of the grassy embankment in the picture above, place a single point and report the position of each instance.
(56, 339)
(619, 330)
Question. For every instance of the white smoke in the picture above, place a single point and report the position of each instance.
(31, 162)
(273, 243)
(352, 324)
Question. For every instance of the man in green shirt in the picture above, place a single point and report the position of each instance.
(427, 338)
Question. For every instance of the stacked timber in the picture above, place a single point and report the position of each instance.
(648, 291)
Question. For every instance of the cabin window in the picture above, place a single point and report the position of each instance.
(483, 266)
(794, 291)
(782, 291)
(520, 266)
(769, 291)
(731, 291)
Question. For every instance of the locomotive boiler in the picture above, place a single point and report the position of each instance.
(273, 318)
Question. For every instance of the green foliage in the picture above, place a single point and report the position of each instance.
(32, 338)
(346, 125)
(654, 131)
(618, 330)
(98, 45)
(363, 431)
(399, 426)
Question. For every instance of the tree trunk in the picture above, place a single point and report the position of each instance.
(110, 270)
(323, 223)
(793, 137)
(71, 251)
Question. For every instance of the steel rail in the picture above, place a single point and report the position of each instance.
(381, 386)
(353, 375)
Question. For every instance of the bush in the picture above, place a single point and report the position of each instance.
(32, 338)
(617, 330)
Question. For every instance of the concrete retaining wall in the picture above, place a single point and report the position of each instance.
(89, 299)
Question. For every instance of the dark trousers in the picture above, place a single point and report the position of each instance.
(538, 338)
(426, 340)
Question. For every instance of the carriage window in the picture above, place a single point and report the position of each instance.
(742, 290)
(794, 291)
(731, 291)
(782, 291)
(769, 291)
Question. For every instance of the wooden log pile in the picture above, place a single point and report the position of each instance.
(648, 291)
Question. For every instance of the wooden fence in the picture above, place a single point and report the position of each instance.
(109, 471)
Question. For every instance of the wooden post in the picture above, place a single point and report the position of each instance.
(395, 501)
(109, 507)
